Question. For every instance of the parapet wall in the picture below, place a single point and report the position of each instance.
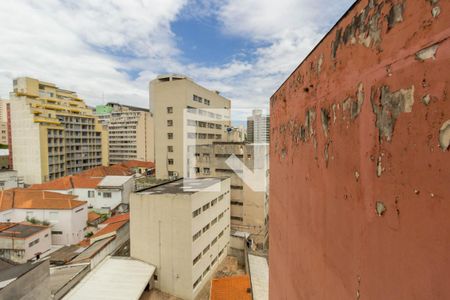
(360, 159)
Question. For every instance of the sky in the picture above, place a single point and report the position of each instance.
(109, 50)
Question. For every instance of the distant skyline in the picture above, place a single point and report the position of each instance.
(108, 51)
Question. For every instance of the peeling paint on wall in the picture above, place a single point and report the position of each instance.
(427, 53)
(390, 105)
(444, 135)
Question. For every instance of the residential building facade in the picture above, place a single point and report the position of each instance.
(66, 215)
(54, 134)
(130, 131)
(186, 114)
(249, 207)
(258, 127)
(183, 228)
(21, 242)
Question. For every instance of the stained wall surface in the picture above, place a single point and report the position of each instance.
(360, 159)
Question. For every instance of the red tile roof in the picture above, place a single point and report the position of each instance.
(110, 228)
(35, 199)
(67, 183)
(114, 170)
(92, 216)
(117, 218)
(138, 164)
(231, 288)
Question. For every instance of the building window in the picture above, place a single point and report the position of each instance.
(197, 282)
(206, 171)
(170, 136)
(169, 148)
(237, 218)
(170, 123)
(214, 202)
(107, 195)
(170, 161)
(56, 232)
(207, 102)
(197, 235)
(91, 194)
(214, 241)
(196, 212)
(220, 234)
(206, 206)
(221, 216)
(169, 109)
(214, 261)
(206, 249)
(33, 243)
(205, 229)
(206, 271)
(237, 203)
(213, 222)
(220, 197)
(46, 235)
(196, 259)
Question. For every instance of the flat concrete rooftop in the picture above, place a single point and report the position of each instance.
(183, 186)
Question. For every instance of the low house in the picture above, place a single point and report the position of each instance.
(66, 215)
(10, 180)
(21, 242)
(102, 193)
(140, 167)
(94, 218)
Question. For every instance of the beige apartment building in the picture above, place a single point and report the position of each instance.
(258, 127)
(130, 131)
(185, 113)
(249, 207)
(54, 133)
(183, 228)
(4, 121)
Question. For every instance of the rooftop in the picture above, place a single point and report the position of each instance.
(20, 230)
(114, 278)
(68, 183)
(10, 274)
(102, 171)
(117, 218)
(259, 274)
(114, 181)
(183, 186)
(231, 288)
(138, 164)
(36, 199)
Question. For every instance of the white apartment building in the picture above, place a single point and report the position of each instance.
(249, 207)
(171, 96)
(258, 127)
(130, 131)
(20, 242)
(183, 228)
(67, 217)
(102, 193)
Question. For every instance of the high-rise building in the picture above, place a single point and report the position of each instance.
(4, 121)
(185, 113)
(249, 205)
(182, 228)
(130, 131)
(54, 134)
(258, 127)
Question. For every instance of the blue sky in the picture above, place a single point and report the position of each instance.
(109, 50)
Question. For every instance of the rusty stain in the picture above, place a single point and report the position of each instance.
(380, 208)
(390, 107)
(444, 135)
(427, 53)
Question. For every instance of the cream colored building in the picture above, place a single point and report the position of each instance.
(185, 113)
(4, 121)
(54, 133)
(249, 208)
(131, 134)
(183, 228)
(258, 127)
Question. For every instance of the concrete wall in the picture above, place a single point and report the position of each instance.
(30, 286)
(360, 164)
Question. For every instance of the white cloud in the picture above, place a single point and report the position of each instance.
(86, 45)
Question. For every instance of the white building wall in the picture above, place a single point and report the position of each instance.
(70, 223)
(45, 241)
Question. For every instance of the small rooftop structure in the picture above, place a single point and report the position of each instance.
(183, 186)
(114, 278)
(113, 182)
(231, 288)
(19, 230)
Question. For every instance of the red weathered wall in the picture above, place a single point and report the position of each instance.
(360, 165)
